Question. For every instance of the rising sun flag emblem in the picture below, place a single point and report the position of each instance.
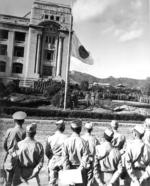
(79, 51)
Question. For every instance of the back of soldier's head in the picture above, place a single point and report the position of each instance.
(147, 123)
(76, 126)
(60, 125)
(31, 130)
(114, 124)
(89, 127)
(108, 135)
(138, 131)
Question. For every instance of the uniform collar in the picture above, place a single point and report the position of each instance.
(58, 132)
(18, 126)
(75, 135)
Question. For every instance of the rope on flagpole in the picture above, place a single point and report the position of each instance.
(68, 61)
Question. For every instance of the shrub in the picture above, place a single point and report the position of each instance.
(2, 89)
(11, 87)
(73, 114)
(53, 89)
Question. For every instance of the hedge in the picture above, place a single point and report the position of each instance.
(72, 114)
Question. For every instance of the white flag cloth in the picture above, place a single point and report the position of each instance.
(79, 52)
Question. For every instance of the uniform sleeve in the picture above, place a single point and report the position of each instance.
(85, 156)
(48, 150)
(117, 173)
(96, 171)
(128, 164)
(65, 153)
(39, 165)
(5, 141)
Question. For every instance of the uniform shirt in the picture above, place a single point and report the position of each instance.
(107, 159)
(146, 137)
(76, 152)
(137, 157)
(53, 149)
(92, 142)
(116, 137)
(30, 153)
(13, 135)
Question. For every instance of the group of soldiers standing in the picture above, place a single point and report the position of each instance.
(114, 161)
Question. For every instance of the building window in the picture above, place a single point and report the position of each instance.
(20, 37)
(57, 18)
(3, 34)
(49, 55)
(46, 16)
(47, 70)
(18, 51)
(2, 66)
(3, 49)
(51, 17)
(50, 40)
(17, 68)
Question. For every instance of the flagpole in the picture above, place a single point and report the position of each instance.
(68, 61)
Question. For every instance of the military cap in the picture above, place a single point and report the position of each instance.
(139, 129)
(20, 115)
(60, 122)
(114, 123)
(31, 128)
(147, 123)
(88, 125)
(76, 124)
(108, 132)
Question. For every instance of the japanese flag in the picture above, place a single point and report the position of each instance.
(79, 52)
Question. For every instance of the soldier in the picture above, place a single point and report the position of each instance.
(30, 155)
(92, 142)
(53, 152)
(76, 151)
(13, 135)
(117, 135)
(137, 159)
(107, 165)
(146, 137)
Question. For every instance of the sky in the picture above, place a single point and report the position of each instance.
(116, 32)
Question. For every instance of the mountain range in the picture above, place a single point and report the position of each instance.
(129, 82)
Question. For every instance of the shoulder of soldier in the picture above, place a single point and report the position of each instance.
(39, 143)
(50, 138)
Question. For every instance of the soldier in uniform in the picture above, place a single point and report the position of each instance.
(137, 159)
(92, 143)
(53, 152)
(146, 137)
(116, 138)
(30, 154)
(13, 135)
(107, 165)
(76, 151)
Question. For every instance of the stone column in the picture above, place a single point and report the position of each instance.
(59, 58)
(28, 53)
(10, 49)
(38, 54)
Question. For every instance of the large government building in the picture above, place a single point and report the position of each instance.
(35, 46)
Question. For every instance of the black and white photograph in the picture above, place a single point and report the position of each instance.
(74, 93)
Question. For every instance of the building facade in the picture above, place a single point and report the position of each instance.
(35, 46)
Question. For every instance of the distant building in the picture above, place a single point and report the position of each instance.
(35, 46)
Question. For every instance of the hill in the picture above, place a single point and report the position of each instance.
(129, 82)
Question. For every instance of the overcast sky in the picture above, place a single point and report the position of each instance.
(116, 32)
